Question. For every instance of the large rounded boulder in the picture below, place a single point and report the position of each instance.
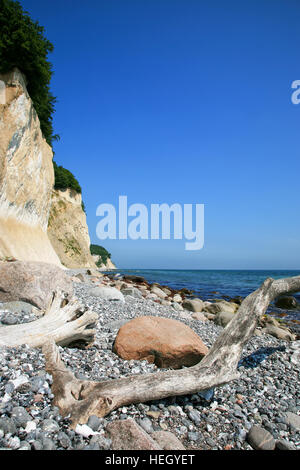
(33, 282)
(162, 341)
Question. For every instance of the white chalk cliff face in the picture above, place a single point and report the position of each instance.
(28, 203)
(68, 231)
(26, 177)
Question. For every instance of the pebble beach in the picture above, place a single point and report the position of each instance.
(265, 397)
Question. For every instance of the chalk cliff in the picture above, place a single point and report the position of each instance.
(37, 223)
(68, 231)
(26, 176)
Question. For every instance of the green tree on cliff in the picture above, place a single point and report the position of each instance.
(100, 251)
(23, 45)
(65, 179)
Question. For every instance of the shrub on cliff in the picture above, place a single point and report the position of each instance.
(65, 179)
(23, 45)
(101, 252)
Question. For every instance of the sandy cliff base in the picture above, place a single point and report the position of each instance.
(25, 243)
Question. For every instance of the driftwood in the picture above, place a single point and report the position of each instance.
(83, 398)
(64, 325)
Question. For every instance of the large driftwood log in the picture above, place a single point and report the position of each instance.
(83, 398)
(61, 324)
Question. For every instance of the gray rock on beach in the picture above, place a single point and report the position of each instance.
(293, 420)
(221, 306)
(194, 305)
(17, 307)
(260, 439)
(158, 292)
(126, 434)
(107, 293)
(133, 291)
(279, 333)
(167, 440)
(32, 282)
(223, 318)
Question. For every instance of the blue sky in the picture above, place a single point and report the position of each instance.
(183, 101)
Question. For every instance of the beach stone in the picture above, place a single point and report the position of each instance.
(268, 320)
(286, 302)
(260, 439)
(80, 276)
(8, 425)
(193, 436)
(177, 298)
(49, 425)
(166, 291)
(207, 394)
(223, 318)
(107, 293)
(94, 422)
(293, 420)
(17, 307)
(153, 413)
(94, 272)
(64, 440)
(21, 416)
(84, 430)
(24, 445)
(177, 306)
(32, 282)
(167, 440)
(279, 333)
(103, 442)
(20, 381)
(48, 444)
(126, 434)
(195, 416)
(13, 442)
(165, 302)
(159, 292)
(37, 445)
(209, 316)
(284, 445)
(221, 306)
(116, 325)
(146, 424)
(133, 291)
(9, 319)
(163, 341)
(199, 316)
(194, 305)
(295, 358)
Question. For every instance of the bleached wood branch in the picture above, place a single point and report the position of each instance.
(81, 399)
(61, 324)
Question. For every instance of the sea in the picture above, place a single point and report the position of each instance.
(216, 284)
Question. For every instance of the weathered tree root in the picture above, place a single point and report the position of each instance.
(61, 324)
(83, 398)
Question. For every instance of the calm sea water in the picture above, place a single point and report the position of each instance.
(210, 284)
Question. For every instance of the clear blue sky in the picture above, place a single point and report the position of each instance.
(185, 101)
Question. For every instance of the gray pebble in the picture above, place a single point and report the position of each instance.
(20, 415)
(49, 425)
(94, 422)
